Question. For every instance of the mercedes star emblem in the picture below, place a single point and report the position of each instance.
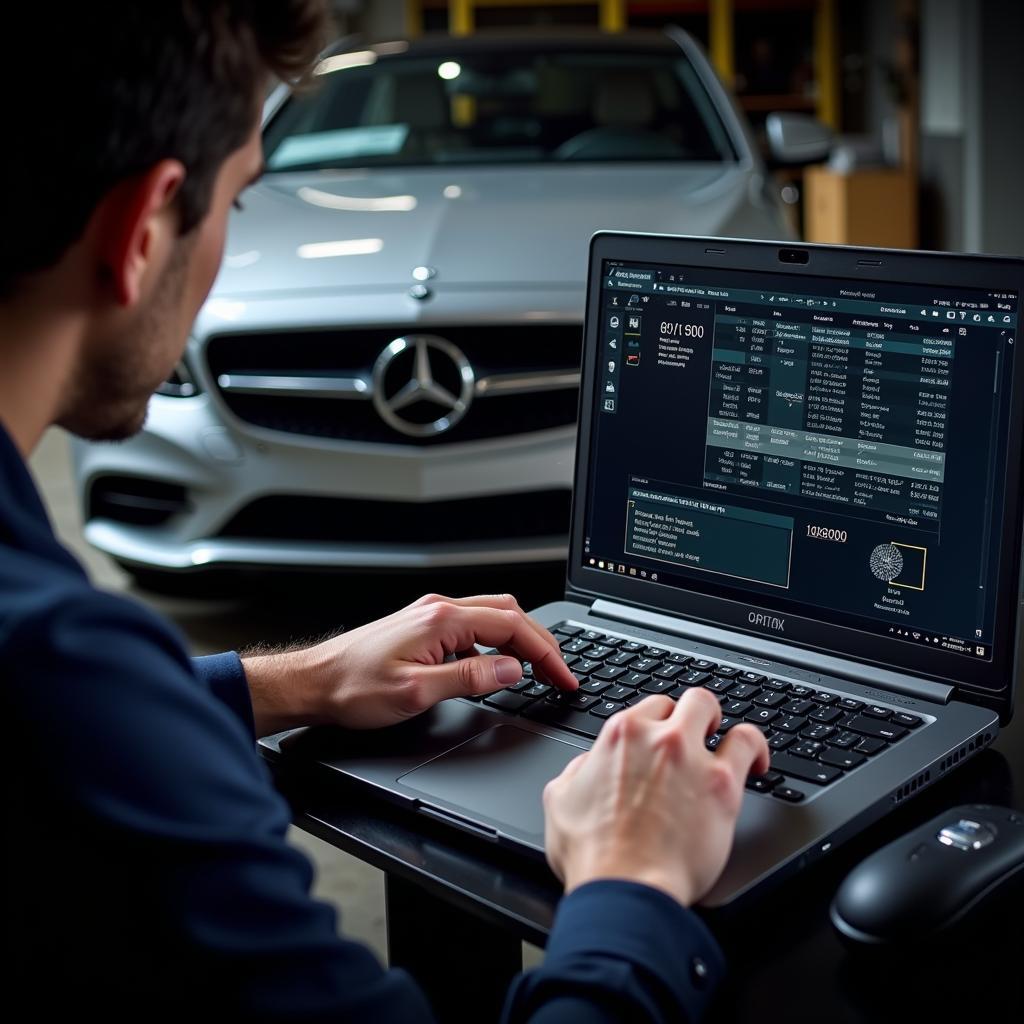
(437, 389)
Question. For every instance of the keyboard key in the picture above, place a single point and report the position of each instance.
(824, 698)
(777, 685)
(693, 678)
(599, 652)
(849, 704)
(826, 715)
(668, 671)
(582, 701)
(620, 658)
(585, 666)
(633, 646)
(718, 685)
(764, 783)
(656, 685)
(575, 646)
(780, 740)
(634, 679)
(817, 732)
(768, 699)
(908, 721)
(727, 723)
(844, 759)
(793, 796)
(564, 629)
(731, 706)
(762, 716)
(610, 672)
(712, 742)
(799, 707)
(844, 739)
(523, 684)
(536, 690)
(751, 677)
(569, 659)
(800, 691)
(654, 652)
(679, 659)
(594, 686)
(703, 665)
(645, 664)
(806, 748)
(790, 723)
(743, 691)
(870, 745)
(809, 771)
(507, 701)
(727, 672)
(619, 693)
(593, 636)
(873, 727)
(877, 711)
(607, 708)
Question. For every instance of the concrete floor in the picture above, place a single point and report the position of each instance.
(354, 888)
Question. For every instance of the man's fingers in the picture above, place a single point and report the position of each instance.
(655, 707)
(745, 750)
(460, 626)
(467, 677)
(698, 713)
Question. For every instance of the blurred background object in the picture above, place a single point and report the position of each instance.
(930, 91)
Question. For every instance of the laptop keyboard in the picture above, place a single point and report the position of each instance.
(815, 737)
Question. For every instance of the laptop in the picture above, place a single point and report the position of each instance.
(798, 485)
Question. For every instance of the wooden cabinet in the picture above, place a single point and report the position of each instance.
(865, 207)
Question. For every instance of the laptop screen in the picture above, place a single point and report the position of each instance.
(829, 448)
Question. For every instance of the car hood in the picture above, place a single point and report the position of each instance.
(497, 227)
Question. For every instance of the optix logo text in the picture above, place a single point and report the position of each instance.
(767, 621)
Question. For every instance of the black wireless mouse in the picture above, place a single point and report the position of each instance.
(926, 882)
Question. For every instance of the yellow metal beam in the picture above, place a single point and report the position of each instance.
(413, 18)
(826, 62)
(720, 39)
(612, 15)
(460, 17)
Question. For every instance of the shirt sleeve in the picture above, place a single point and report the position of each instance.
(620, 953)
(225, 677)
(172, 885)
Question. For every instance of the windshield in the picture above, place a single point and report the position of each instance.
(498, 107)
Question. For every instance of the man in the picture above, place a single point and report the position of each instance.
(147, 868)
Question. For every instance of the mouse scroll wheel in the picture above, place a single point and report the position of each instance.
(966, 835)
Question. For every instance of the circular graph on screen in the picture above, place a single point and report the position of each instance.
(886, 562)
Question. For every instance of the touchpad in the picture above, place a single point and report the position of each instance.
(498, 776)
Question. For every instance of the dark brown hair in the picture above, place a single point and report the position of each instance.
(94, 93)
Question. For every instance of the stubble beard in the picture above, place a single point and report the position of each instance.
(111, 393)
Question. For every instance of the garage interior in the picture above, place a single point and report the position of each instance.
(924, 98)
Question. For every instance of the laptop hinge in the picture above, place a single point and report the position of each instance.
(771, 649)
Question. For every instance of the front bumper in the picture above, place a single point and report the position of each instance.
(225, 467)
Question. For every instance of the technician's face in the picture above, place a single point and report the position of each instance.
(118, 375)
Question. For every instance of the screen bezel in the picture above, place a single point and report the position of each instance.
(986, 682)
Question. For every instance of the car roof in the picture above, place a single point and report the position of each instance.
(561, 39)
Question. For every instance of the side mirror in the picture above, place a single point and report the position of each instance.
(797, 138)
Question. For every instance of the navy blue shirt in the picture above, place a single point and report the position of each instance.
(148, 871)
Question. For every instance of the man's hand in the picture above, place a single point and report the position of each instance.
(649, 802)
(396, 667)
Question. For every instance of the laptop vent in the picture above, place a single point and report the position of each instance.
(969, 748)
(912, 786)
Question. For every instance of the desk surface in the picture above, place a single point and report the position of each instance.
(786, 962)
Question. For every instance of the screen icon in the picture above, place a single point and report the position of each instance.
(609, 405)
(613, 322)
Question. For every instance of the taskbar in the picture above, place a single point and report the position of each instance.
(978, 648)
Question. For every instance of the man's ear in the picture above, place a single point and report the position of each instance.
(137, 225)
